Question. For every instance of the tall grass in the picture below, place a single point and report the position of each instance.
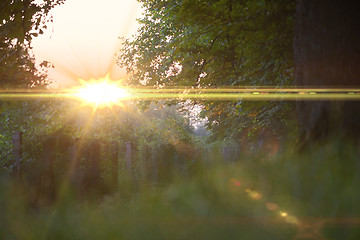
(256, 197)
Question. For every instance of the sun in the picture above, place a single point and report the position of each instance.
(101, 93)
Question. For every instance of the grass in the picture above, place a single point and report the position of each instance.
(311, 195)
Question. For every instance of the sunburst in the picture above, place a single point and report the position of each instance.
(102, 92)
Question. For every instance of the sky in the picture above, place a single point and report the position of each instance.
(83, 40)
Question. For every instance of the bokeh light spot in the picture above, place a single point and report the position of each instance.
(271, 206)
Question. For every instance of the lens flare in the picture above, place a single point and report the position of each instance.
(271, 206)
(283, 214)
(253, 194)
(104, 88)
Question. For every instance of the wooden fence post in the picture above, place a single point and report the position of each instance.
(226, 153)
(94, 162)
(17, 142)
(230, 154)
(114, 156)
(146, 161)
(129, 156)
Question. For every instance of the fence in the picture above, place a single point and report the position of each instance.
(89, 164)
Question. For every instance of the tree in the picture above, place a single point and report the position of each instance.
(216, 43)
(327, 52)
(20, 21)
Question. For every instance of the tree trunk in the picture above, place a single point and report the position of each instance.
(327, 55)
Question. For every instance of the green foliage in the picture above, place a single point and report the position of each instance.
(34, 119)
(216, 43)
(25, 19)
(20, 21)
(206, 44)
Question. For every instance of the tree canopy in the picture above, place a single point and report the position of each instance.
(215, 43)
(212, 43)
(20, 21)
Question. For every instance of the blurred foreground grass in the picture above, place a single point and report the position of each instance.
(313, 195)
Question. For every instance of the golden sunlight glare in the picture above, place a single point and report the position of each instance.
(101, 93)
